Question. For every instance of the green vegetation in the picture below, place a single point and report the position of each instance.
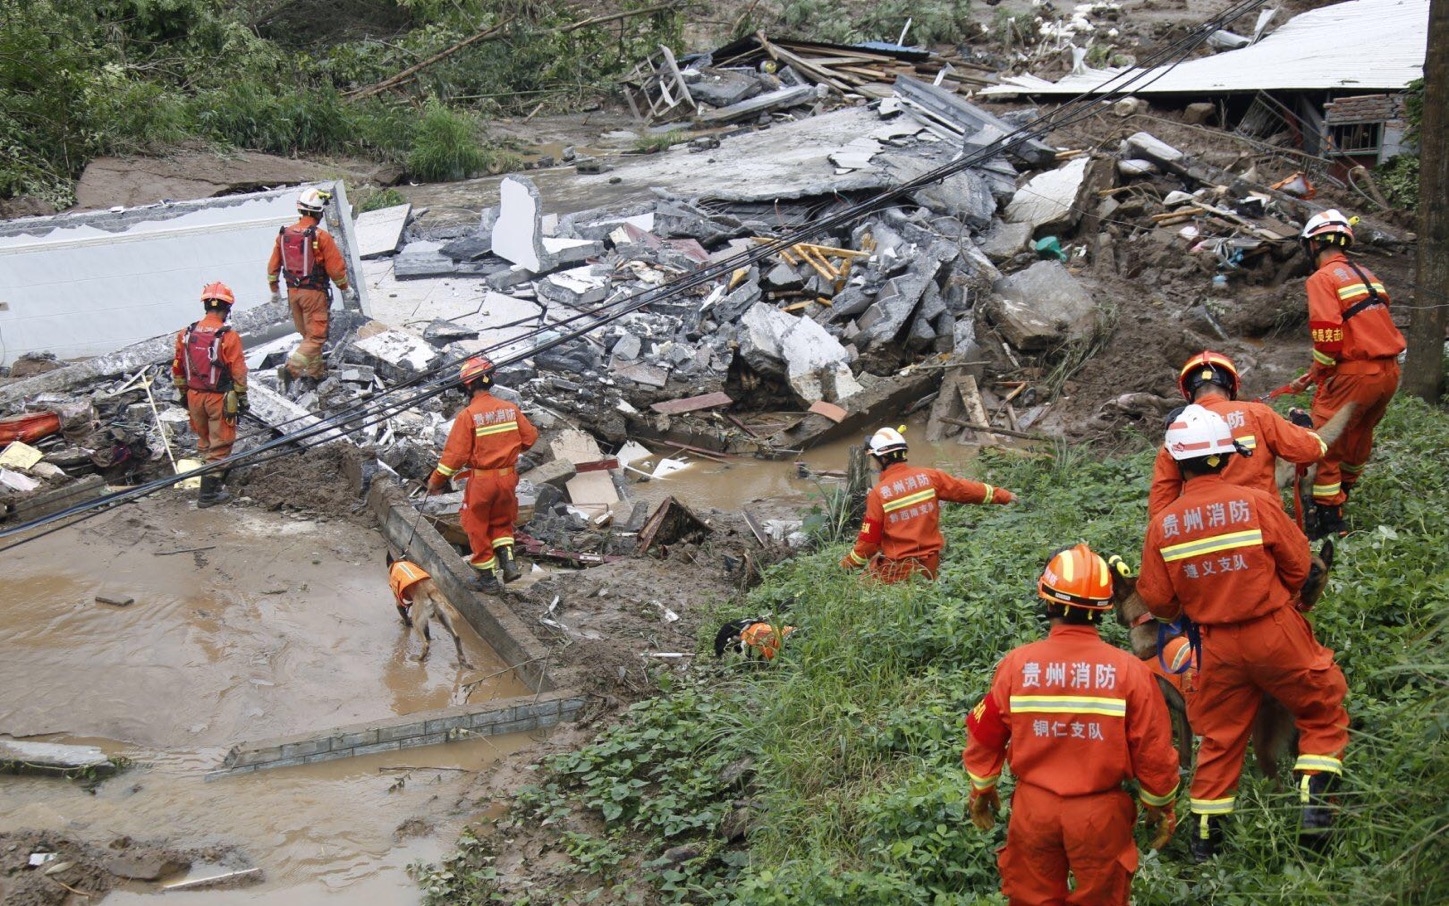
(653, 144)
(1399, 176)
(833, 775)
(84, 78)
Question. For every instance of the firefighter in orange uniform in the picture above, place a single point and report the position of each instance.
(487, 438)
(1211, 380)
(1355, 360)
(210, 375)
(1074, 717)
(402, 576)
(1231, 561)
(306, 256)
(901, 532)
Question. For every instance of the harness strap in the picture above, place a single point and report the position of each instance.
(1364, 304)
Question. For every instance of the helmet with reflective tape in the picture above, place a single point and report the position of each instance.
(1330, 227)
(1077, 577)
(217, 292)
(1208, 367)
(477, 368)
(1198, 432)
(313, 200)
(887, 440)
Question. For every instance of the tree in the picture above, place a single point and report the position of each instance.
(1424, 368)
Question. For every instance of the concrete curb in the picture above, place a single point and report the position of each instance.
(425, 728)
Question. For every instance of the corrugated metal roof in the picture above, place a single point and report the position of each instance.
(1361, 45)
(86, 284)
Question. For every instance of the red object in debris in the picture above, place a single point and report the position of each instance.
(692, 404)
(31, 426)
(829, 410)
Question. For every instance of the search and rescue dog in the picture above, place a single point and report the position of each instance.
(427, 605)
(754, 638)
(1274, 733)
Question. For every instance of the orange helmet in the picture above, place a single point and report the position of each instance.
(476, 368)
(1208, 366)
(217, 292)
(1077, 577)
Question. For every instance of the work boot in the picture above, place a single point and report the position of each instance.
(1318, 809)
(485, 581)
(1326, 521)
(507, 564)
(1207, 837)
(284, 380)
(212, 492)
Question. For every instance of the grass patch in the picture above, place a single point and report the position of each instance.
(839, 763)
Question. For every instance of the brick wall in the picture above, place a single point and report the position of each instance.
(1364, 108)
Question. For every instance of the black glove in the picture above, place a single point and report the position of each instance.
(242, 404)
(1300, 417)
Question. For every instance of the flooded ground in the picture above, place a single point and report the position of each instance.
(245, 624)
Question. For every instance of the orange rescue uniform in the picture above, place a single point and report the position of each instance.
(403, 576)
(901, 532)
(487, 438)
(1355, 360)
(1074, 717)
(1233, 561)
(310, 304)
(215, 433)
(1259, 429)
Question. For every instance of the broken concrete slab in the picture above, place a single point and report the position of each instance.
(693, 403)
(23, 757)
(1148, 146)
(518, 233)
(556, 472)
(644, 374)
(864, 411)
(773, 342)
(966, 195)
(440, 333)
(1042, 307)
(779, 99)
(1005, 241)
(1049, 201)
(285, 416)
(966, 119)
(379, 233)
(396, 354)
(579, 287)
(721, 87)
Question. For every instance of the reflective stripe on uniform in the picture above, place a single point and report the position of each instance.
(1213, 544)
(1068, 704)
(909, 499)
(447, 472)
(1212, 806)
(983, 783)
(1359, 289)
(1249, 441)
(1324, 359)
(506, 541)
(1326, 490)
(1159, 801)
(857, 559)
(1323, 764)
(489, 564)
(500, 428)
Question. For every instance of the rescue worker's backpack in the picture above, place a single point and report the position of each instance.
(204, 368)
(301, 265)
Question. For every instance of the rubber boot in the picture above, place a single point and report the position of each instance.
(1327, 520)
(486, 581)
(506, 564)
(1207, 837)
(1318, 810)
(212, 492)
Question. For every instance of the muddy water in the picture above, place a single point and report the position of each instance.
(273, 626)
(776, 485)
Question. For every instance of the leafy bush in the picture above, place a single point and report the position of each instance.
(1399, 178)
(445, 146)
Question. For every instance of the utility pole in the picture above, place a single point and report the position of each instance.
(1424, 368)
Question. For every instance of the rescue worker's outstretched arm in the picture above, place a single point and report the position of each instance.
(987, 735)
(1149, 739)
(872, 533)
(964, 490)
(1294, 443)
(456, 452)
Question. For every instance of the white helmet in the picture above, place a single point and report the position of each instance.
(313, 200)
(1329, 226)
(1198, 432)
(886, 440)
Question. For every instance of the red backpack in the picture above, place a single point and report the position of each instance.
(300, 265)
(203, 359)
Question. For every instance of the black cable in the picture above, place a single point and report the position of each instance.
(433, 383)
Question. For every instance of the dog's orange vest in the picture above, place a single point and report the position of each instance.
(402, 576)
